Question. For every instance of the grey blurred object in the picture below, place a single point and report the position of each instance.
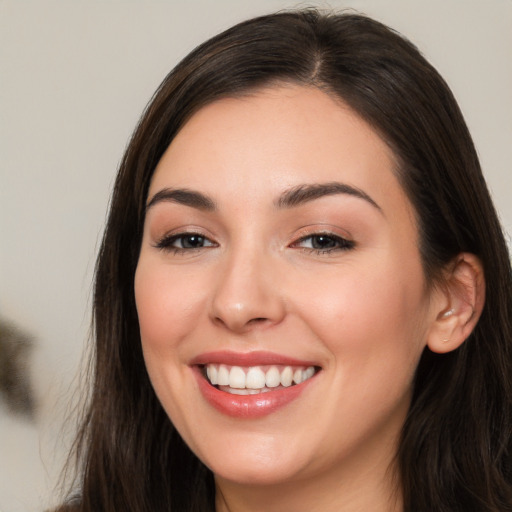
(15, 388)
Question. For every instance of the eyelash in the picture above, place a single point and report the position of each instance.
(337, 243)
(166, 242)
(340, 243)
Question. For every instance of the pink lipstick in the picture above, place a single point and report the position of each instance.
(253, 384)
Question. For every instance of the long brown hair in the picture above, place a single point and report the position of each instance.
(455, 448)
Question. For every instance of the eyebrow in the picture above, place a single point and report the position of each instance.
(301, 194)
(183, 196)
(291, 198)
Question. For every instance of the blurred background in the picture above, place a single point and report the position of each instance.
(74, 78)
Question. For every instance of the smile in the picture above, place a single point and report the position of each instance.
(252, 380)
(252, 385)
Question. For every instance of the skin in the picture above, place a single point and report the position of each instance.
(362, 312)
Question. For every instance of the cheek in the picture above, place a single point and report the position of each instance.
(373, 324)
(370, 308)
(168, 305)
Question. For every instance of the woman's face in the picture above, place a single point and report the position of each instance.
(280, 255)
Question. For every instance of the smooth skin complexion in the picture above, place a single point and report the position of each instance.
(277, 234)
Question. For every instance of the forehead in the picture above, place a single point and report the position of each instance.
(274, 139)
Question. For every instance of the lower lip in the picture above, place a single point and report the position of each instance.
(249, 406)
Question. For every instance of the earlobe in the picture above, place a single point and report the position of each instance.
(461, 304)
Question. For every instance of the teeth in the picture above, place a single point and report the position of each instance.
(223, 376)
(287, 377)
(308, 373)
(235, 391)
(272, 377)
(211, 371)
(237, 378)
(254, 379)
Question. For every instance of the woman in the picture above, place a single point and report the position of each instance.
(303, 296)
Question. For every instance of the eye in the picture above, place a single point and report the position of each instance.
(182, 242)
(324, 243)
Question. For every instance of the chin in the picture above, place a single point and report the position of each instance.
(254, 474)
(245, 464)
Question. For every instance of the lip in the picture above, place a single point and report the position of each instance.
(255, 358)
(248, 406)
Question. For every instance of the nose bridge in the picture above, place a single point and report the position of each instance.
(247, 293)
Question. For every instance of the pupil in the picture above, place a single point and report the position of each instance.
(323, 242)
(192, 241)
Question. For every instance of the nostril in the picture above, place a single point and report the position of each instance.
(257, 320)
(241, 324)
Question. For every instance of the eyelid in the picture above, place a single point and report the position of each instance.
(322, 229)
(165, 242)
(344, 240)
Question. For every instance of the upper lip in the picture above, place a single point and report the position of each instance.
(254, 358)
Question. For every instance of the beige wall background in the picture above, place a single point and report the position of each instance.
(74, 77)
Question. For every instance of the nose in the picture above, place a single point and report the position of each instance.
(247, 295)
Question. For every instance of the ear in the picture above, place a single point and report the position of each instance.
(459, 304)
